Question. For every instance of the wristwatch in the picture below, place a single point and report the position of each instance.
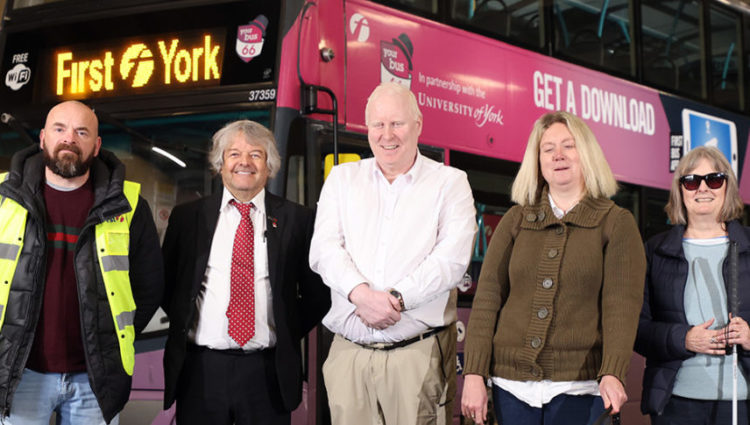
(398, 296)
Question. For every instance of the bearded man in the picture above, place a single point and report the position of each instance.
(80, 273)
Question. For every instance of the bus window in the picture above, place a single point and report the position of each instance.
(424, 6)
(168, 155)
(671, 43)
(19, 4)
(725, 57)
(628, 197)
(656, 220)
(491, 180)
(517, 20)
(10, 143)
(596, 33)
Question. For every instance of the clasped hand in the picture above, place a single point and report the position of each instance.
(376, 309)
(701, 339)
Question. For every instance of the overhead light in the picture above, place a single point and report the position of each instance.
(169, 156)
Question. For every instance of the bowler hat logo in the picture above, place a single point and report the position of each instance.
(395, 60)
(250, 38)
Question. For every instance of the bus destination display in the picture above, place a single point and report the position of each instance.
(140, 65)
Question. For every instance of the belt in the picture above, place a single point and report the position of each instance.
(231, 351)
(387, 346)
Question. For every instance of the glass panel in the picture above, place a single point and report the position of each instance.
(517, 20)
(671, 39)
(725, 58)
(628, 197)
(428, 6)
(596, 32)
(20, 4)
(295, 184)
(656, 218)
(491, 180)
(165, 183)
(10, 142)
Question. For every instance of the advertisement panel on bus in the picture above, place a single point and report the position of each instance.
(482, 96)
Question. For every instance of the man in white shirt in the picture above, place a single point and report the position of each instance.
(240, 293)
(393, 238)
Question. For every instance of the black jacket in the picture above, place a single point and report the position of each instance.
(663, 326)
(108, 379)
(300, 299)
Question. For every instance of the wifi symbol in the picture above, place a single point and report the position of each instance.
(137, 56)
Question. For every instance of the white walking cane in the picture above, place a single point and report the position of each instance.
(733, 306)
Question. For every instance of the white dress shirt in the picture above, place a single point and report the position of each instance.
(210, 328)
(538, 393)
(414, 235)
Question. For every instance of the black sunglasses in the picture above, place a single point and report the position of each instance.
(693, 181)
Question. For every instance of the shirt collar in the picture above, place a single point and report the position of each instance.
(258, 200)
(411, 175)
(557, 211)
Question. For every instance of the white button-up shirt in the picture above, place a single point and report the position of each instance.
(210, 328)
(413, 235)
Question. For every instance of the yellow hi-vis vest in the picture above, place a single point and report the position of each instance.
(112, 248)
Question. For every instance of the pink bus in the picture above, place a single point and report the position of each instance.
(652, 80)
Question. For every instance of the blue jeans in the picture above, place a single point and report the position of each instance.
(562, 410)
(67, 394)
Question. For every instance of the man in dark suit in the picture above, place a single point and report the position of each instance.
(240, 294)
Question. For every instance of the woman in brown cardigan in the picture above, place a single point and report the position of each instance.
(556, 310)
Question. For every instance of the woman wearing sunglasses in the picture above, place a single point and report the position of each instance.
(684, 327)
(556, 310)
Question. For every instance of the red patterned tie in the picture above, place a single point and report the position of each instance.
(241, 310)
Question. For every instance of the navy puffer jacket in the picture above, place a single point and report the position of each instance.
(663, 326)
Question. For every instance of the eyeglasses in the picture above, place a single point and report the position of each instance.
(693, 181)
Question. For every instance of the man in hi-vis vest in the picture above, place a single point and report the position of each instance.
(80, 274)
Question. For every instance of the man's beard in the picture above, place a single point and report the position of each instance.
(67, 166)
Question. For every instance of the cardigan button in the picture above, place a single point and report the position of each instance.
(559, 230)
(542, 313)
(541, 216)
(531, 217)
(547, 283)
(536, 342)
(535, 373)
(552, 253)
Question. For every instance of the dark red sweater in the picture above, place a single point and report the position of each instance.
(58, 346)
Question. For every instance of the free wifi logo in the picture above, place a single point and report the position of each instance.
(137, 56)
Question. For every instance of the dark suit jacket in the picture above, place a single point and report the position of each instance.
(300, 299)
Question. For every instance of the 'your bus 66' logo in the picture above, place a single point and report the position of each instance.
(250, 38)
(395, 60)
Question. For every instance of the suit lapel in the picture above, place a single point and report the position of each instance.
(208, 216)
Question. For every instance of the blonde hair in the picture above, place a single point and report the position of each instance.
(254, 134)
(733, 206)
(599, 182)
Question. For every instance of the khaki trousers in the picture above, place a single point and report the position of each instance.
(410, 385)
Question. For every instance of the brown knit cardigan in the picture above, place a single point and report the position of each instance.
(558, 299)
